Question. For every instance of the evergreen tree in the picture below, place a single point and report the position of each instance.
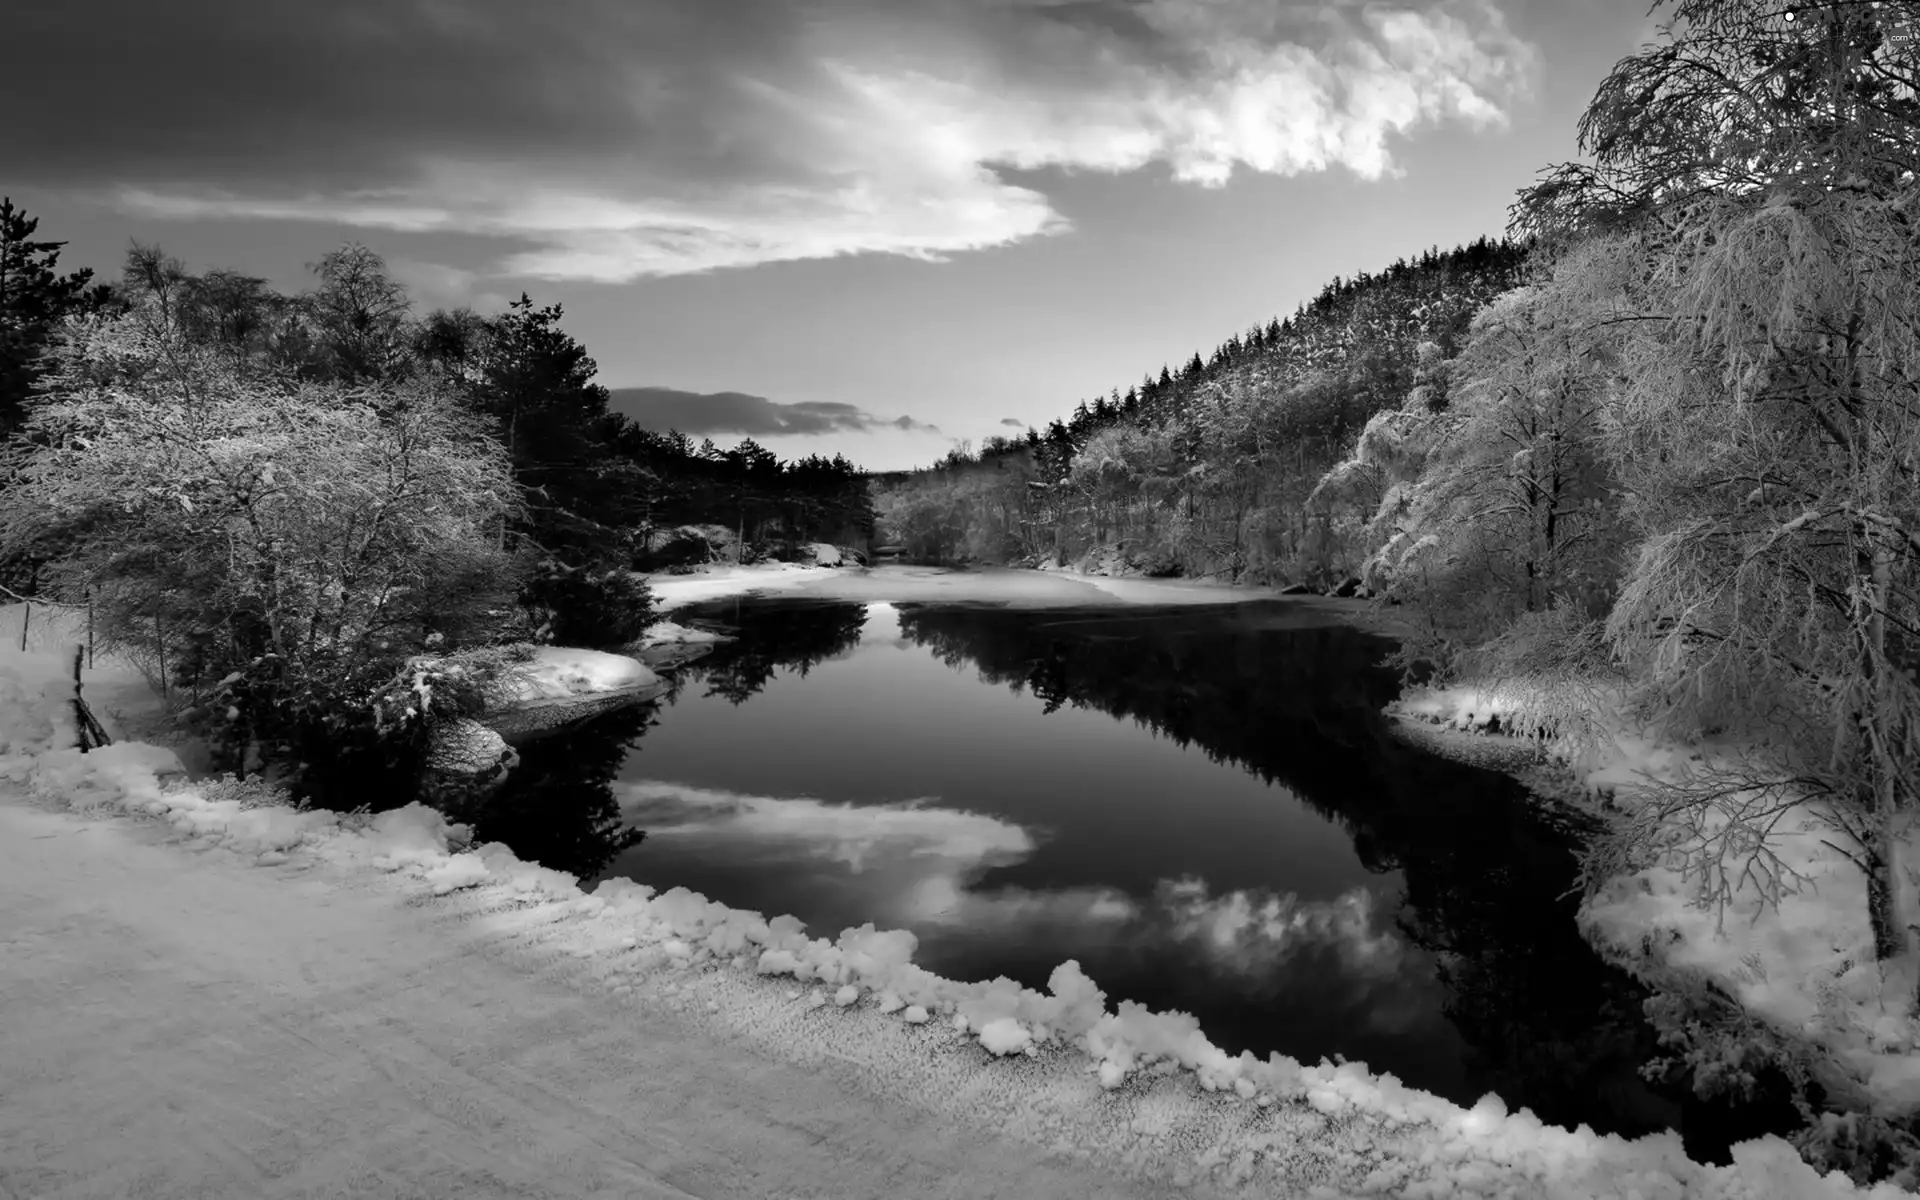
(537, 382)
(33, 299)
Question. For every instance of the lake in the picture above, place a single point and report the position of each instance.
(1201, 804)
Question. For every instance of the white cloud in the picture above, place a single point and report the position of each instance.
(854, 836)
(878, 128)
(1253, 933)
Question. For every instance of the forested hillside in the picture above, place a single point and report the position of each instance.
(1211, 470)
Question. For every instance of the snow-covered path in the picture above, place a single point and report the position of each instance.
(180, 1023)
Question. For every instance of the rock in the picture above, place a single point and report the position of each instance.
(466, 763)
(685, 545)
(1347, 590)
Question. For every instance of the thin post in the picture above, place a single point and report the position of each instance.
(79, 705)
(160, 637)
(26, 615)
(89, 629)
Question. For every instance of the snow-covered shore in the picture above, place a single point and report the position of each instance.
(1804, 965)
(1138, 1094)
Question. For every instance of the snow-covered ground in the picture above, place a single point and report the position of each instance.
(208, 996)
(569, 673)
(1805, 965)
(1004, 585)
(718, 582)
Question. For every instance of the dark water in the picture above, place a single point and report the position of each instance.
(1201, 805)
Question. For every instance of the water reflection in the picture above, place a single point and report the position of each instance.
(558, 807)
(794, 636)
(1540, 1015)
(1302, 883)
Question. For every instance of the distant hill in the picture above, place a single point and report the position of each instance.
(1269, 409)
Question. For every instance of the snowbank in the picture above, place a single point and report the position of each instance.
(1805, 966)
(566, 673)
(671, 633)
(713, 583)
(1266, 1126)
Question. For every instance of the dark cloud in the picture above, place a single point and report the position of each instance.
(698, 414)
(1016, 422)
(291, 97)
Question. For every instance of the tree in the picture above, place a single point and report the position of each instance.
(1767, 416)
(33, 299)
(360, 315)
(221, 519)
(1739, 101)
(537, 383)
(1515, 491)
(454, 343)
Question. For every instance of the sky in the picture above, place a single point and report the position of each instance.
(868, 227)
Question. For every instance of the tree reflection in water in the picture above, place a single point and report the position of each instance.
(557, 807)
(796, 636)
(1485, 875)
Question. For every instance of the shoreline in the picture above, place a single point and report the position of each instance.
(1057, 1075)
(1585, 795)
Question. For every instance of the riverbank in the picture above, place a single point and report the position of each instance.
(934, 585)
(1802, 969)
(1800, 964)
(375, 1006)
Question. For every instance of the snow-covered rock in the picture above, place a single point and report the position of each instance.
(562, 684)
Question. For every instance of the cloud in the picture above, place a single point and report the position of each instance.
(1254, 933)
(700, 413)
(854, 836)
(432, 285)
(1013, 421)
(920, 865)
(914, 862)
(608, 141)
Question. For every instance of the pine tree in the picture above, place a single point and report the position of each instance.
(33, 299)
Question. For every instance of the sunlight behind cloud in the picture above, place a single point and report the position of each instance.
(881, 128)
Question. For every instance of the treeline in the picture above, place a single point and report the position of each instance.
(274, 502)
(1210, 470)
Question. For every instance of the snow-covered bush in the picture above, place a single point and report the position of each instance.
(1864, 1146)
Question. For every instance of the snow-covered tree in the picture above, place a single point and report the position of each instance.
(225, 516)
(1767, 423)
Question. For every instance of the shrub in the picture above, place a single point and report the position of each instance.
(577, 606)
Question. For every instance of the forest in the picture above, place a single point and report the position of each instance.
(274, 502)
(1211, 470)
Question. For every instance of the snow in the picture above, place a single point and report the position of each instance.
(824, 554)
(563, 673)
(1805, 966)
(670, 633)
(234, 932)
(716, 582)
